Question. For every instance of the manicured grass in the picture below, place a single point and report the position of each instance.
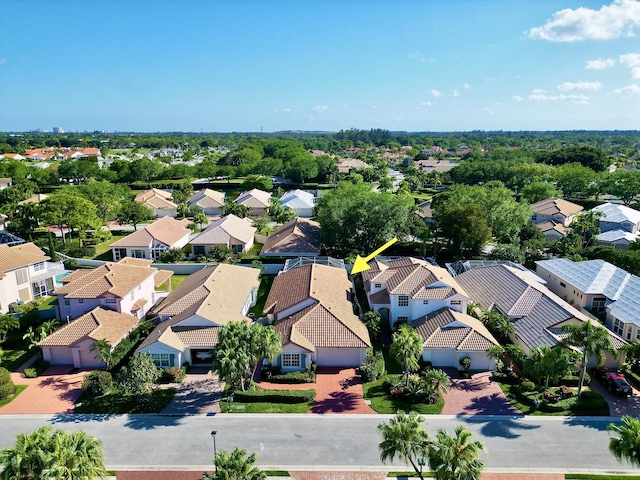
(118, 403)
(103, 250)
(257, 407)
(48, 303)
(265, 285)
(13, 359)
(176, 280)
(382, 402)
(19, 389)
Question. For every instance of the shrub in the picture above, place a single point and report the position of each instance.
(173, 374)
(125, 348)
(372, 368)
(30, 372)
(138, 377)
(7, 388)
(291, 377)
(527, 387)
(550, 397)
(97, 383)
(274, 396)
(565, 392)
(173, 255)
(572, 380)
(510, 378)
(465, 363)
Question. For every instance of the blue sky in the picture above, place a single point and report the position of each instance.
(414, 65)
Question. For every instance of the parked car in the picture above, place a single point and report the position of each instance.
(614, 381)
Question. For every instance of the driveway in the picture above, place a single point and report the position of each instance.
(618, 404)
(198, 393)
(477, 395)
(339, 390)
(55, 391)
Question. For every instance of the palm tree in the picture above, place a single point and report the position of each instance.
(626, 446)
(48, 327)
(438, 381)
(547, 364)
(404, 438)
(103, 347)
(406, 347)
(234, 466)
(267, 343)
(7, 323)
(455, 457)
(592, 340)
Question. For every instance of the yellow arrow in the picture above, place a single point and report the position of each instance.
(361, 264)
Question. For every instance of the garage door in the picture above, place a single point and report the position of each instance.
(444, 358)
(338, 357)
(61, 356)
(479, 360)
(88, 359)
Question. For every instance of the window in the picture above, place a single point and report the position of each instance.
(597, 305)
(133, 295)
(237, 248)
(638, 334)
(291, 360)
(160, 359)
(378, 285)
(110, 301)
(153, 297)
(456, 302)
(24, 294)
(140, 287)
(38, 266)
(629, 328)
(425, 302)
(403, 301)
(618, 326)
(22, 276)
(139, 254)
(564, 285)
(67, 302)
(81, 300)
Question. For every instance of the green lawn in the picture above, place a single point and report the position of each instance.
(118, 403)
(19, 389)
(12, 359)
(259, 407)
(382, 402)
(103, 250)
(265, 285)
(176, 280)
(49, 303)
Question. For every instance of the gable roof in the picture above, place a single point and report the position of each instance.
(207, 198)
(19, 256)
(97, 324)
(254, 198)
(446, 328)
(220, 231)
(298, 199)
(615, 213)
(297, 236)
(156, 198)
(37, 198)
(555, 206)
(615, 235)
(166, 230)
(110, 279)
(550, 225)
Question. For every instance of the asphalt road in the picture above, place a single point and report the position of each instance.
(327, 442)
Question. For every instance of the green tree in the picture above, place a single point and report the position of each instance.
(625, 444)
(237, 209)
(537, 191)
(586, 225)
(7, 323)
(406, 347)
(466, 227)
(625, 185)
(138, 376)
(591, 340)
(261, 182)
(67, 209)
(405, 439)
(103, 349)
(573, 178)
(133, 213)
(200, 219)
(280, 213)
(45, 454)
(456, 457)
(373, 321)
(546, 364)
(235, 466)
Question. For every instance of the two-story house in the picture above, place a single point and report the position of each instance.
(128, 286)
(553, 216)
(618, 217)
(25, 274)
(152, 240)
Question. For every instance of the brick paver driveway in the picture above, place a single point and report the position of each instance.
(477, 395)
(198, 393)
(55, 391)
(339, 390)
(618, 405)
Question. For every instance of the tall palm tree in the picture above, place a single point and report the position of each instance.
(234, 466)
(438, 381)
(626, 446)
(404, 438)
(548, 364)
(406, 347)
(455, 457)
(7, 323)
(103, 349)
(592, 340)
(266, 341)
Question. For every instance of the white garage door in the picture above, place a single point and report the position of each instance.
(444, 358)
(88, 359)
(61, 356)
(479, 360)
(338, 357)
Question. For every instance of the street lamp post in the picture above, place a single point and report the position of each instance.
(422, 463)
(215, 465)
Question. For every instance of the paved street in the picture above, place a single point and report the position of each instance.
(329, 442)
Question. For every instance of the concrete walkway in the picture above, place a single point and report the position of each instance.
(198, 393)
(477, 395)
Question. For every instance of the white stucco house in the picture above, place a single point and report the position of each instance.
(207, 201)
(152, 240)
(299, 201)
(257, 199)
(238, 234)
(618, 217)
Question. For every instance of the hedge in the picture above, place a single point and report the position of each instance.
(292, 377)
(275, 396)
(572, 381)
(7, 388)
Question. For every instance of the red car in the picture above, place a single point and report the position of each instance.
(614, 381)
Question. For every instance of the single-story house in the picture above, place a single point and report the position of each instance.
(426, 213)
(311, 307)
(207, 201)
(298, 238)
(235, 233)
(152, 240)
(71, 343)
(191, 314)
(257, 199)
(617, 239)
(618, 217)
(299, 201)
(345, 165)
(159, 201)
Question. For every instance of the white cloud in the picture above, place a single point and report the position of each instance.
(518, 98)
(426, 104)
(286, 110)
(619, 19)
(577, 99)
(320, 108)
(436, 93)
(416, 56)
(569, 86)
(466, 86)
(539, 90)
(628, 91)
(456, 93)
(632, 60)
(600, 63)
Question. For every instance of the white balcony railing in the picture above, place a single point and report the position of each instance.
(51, 270)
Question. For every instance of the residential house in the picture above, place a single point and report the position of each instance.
(311, 307)
(553, 230)
(619, 239)
(618, 217)
(159, 201)
(298, 238)
(37, 198)
(449, 336)
(299, 201)
(25, 274)
(257, 199)
(71, 344)
(537, 313)
(345, 165)
(235, 233)
(406, 289)
(599, 287)
(12, 156)
(431, 165)
(128, 286)
(207, 201)
(153, 240)
(426, 213)
(191, 314)
(555, 210)
(5, 183)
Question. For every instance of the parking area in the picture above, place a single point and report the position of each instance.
(477, 395)
(618, 404)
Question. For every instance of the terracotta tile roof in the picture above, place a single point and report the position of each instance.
(206, 198)
(156, 198)
(97, 324)
(34, 199)
(551, 225)
(554, 206)
(19, 256)
(380, 298)
(110, 279)
(166, 230)
(197, 336)
(161, 277)
(138, 304)
(254, 198)
(289, 289)
(297, 236)
(221, 231)
(446, 328)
